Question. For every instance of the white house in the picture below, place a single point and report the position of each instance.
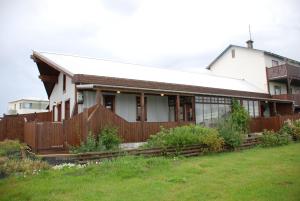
(140, 93)
(27, 105)
(272, 73)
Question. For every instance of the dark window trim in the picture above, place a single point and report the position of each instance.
(64, 82)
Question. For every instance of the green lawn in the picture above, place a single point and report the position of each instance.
(256, 174)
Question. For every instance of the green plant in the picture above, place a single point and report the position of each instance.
(233, 137)
(187, 135)
(291, 128)
(109, 138)
(23, 166)
(239, 117)
(233, 127)
(11, 148)
(106, 140)
(271, 138)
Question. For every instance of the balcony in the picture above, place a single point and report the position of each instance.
(292, 97)
(285, 71)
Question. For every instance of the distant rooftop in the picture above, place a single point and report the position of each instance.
(30, 99)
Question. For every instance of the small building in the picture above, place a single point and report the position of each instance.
(27, 105)
(139, 93)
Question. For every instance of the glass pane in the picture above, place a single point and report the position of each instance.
(227, 109)
(256, 109)
(222, 111)
(207, 114)
(199, 113)
(251, 109)
(245, 105)
(214, 112)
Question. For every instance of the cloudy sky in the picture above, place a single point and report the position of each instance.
(179, 34)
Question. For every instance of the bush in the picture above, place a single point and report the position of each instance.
(271, 138)
(233, 137)
(11, 148)
(291, 128)
(233, 127)
(23, 166)
(187, 135)
(108, 139)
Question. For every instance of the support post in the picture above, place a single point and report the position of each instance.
(275, 108)
(193, 109)
(142, 99)
(289, 86)
(99, 97)
(177, 109)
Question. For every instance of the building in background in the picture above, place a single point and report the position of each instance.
(272, 73)
(27, 105)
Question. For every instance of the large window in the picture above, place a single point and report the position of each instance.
(64, 82)
(210, 109)
(252, 107)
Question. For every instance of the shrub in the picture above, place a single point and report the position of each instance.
(271, 138)
(11, 148)
(291, 128)
(24, 166)
(187, 135)
(233, 137)
(239, 117)
(109, 138)
(233, 127)
(106, 140)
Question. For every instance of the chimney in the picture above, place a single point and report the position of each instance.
(250, 44)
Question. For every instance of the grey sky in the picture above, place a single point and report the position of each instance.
(181, 34)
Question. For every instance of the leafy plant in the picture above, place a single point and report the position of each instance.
(233, 127)
(109, 138)
(24, 166)
(271, 138)
(187, 135)
(233, 137)
(106, 140)
(11, 148)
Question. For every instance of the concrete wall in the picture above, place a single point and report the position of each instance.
(59, 96)
(247, 64)
(157, 109)
(126, 106)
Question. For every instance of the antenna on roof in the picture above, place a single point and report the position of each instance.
(250, 41)
(250, 32)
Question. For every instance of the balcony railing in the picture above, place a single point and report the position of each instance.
(283, 71)
(292, 97)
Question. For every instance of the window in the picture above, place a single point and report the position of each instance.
(139, 108)
(59, 112)
(277, 90)
(20, 105)
(67, 109)
(252, 107)
(233, 53)
(210, 109)
(109, 102)
(274, 63)
(27, 105)
(64, 82)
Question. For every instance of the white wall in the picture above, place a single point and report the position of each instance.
(37, 106)
(157, 109)
(247, 64)
(268, 60)
(126, 106)
(59, 96)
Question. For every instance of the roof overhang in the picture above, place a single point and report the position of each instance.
(91, 81)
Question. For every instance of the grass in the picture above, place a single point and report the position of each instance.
(256, 174)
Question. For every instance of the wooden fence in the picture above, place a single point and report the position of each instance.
(270, 123)
(12, 126)
(46, 137)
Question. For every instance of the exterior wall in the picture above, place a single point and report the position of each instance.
(89, 99)
(126, 106)
(268, 60)
(59, 96)
(247, 64)
(22, 106)
(157, 109)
